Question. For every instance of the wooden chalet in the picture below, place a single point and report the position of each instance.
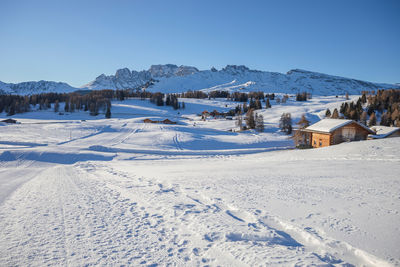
(384, 132)
(329, 132)
(149, 121)
(167, 121)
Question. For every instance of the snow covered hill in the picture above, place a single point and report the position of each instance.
(172, 79)
(28, 88)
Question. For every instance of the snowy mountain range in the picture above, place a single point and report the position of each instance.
(170, 78)
(29, 88)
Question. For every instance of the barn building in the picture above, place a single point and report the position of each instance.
(329, 132)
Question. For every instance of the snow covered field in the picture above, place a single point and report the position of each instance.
(122, 192)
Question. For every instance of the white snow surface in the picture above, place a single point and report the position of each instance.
(122, 192)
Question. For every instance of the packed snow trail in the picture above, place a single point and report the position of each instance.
(156, 212)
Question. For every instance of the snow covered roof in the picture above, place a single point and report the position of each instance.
(383, 131)
(329, 125)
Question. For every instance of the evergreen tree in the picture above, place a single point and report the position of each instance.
(252, 104)
(328, 113)
(245, 108)
(250, 121)
(395, 116)
(56, 106)
(303, 122)
(258, 104)
(372, 120)
(46, 104)
(267, 104)
(335, 114)
(108, 112)
(160, 100)
(66, 107)
(364, 117)
(11, 110)
(239, 122)
(385, 119)
(93, 109)
(364, 98)
(259, 123)
(285, 123)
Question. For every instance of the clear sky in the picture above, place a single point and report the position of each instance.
(75, 41)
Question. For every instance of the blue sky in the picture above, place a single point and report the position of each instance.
(75, 41)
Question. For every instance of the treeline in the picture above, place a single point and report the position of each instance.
(303, 96)
(170, 100)
(92, 102)
(253, 121)
(245, 108)
(234, 96)
(384, 104)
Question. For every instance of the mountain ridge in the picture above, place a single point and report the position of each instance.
(171, 78)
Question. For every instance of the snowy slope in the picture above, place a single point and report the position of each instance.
(28, 88)
(121, 192)
(172, 79)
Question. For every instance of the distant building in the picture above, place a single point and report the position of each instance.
(384, 132)
(167, 121)
(9, 121)
(149, 121)
(329, 132)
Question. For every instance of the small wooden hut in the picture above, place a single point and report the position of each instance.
(329, 132)
(167, 121)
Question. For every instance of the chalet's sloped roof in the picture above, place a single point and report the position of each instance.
(383, 131)
(330, 125)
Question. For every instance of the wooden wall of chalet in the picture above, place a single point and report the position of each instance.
(321, 139)
(341, 135)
